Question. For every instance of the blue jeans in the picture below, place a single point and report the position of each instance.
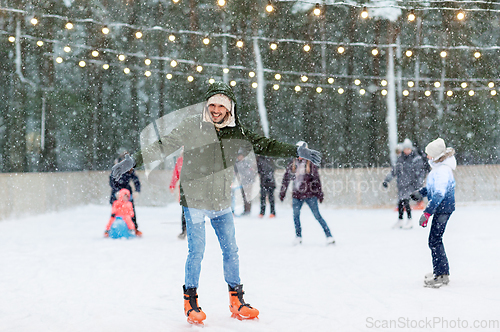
(313, 205)
(439, 259)
(223, 224)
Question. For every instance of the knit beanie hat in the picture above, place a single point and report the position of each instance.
(407, 144)
(221, 100)
(436, 148)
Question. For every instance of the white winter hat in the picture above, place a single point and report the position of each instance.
(221, 100)
(407, 144)
(300, 143)
(436, 148)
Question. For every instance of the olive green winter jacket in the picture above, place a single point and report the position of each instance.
(209, 158)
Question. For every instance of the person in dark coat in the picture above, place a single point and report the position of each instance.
(410, 176)
(124, 183)
(306, 189)
(266, 167)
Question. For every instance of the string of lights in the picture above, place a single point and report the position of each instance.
(421, 5)
(175, 61)
(273, 41)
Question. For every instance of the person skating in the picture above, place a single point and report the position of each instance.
(211, 141)
(440, 192)
(266, 167)
(124, 183)
(410, 176)
(306, 189)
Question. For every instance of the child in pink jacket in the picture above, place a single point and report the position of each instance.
(122, 207)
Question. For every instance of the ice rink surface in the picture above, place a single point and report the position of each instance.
(58, 273)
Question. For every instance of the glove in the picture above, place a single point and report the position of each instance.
(424, 219)
(113, 215)
(122, 167)
(416, 196)
(282, 197)
(385, 184)
(312, 155)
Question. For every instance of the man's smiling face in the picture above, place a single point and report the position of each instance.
(217, 112)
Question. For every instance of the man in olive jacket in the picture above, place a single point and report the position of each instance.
(211, 141)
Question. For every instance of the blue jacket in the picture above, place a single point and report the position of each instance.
(124, 182)
(440, 188)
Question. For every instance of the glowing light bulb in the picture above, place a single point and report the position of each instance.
(39, 43)
(147, 73)
(384, 92)
(69, 26)
(341, 49)
(273, 46)
(138, 35)
(251, 74)
(190, 78)
(374, 52)
(59, 59)
(199, 69)
(443, 54)
(427, 93)
(169, 76)
(411, 17)
(362, 91)
(297, 88)
(254, 85)
(449, 93)
(331, 80)
(406, 93)
(277, 77)
(173, 63)
(211, 81)
(171, 38)
(276, 87)
(357, 82)
(95, 54)
(147, 62)
(206, 40)
(340, 91)
(105, 30)
(409, 53)
(411, 84)
(437, 84)
(239, 43)
(304, 78)
(105, 66)
(232, 83)
(319, 89)
(126, 70)
(34, 21)
(67, 49)
(121, 57)
(307, 48)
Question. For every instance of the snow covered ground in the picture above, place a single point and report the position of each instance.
(57, 273)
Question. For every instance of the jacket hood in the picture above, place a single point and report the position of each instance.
(122, 193)
(450, 161)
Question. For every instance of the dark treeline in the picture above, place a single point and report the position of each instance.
(69, 115)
